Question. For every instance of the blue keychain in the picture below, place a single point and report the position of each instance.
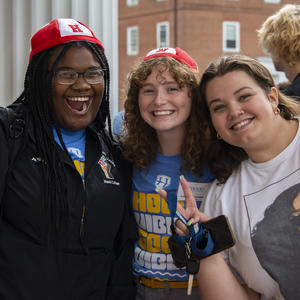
(199, 237)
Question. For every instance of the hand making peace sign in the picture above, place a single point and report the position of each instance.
(190, 212)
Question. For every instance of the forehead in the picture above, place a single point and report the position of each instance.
(74, 57)
(160, 74)
(230, 82)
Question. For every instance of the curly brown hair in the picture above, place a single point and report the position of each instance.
(224, 158)
(140, 141)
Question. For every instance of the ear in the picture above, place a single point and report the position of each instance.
(273, 97)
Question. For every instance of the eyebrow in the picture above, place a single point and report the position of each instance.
(146, 84)
(70, 68)
(170, 82)
(236, 92)
(163, 83)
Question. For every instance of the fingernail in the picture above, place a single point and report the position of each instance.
(190, 222)
(181, 177)
(157, 189)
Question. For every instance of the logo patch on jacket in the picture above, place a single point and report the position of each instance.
(106, 166)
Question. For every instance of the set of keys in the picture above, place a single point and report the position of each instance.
(203, 240)
(192, 265)
(185, 251)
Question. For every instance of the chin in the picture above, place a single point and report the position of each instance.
(75, 127)
(79, 124)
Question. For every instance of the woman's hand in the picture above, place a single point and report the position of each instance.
(190, 212)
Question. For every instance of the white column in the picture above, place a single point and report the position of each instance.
(60, 9)
(20, 26)
(103, 19)
(79, 10)
(95, 20)
(109, 15)
(6, 76)
(40, 14)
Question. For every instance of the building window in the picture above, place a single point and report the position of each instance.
(160, 0)
(132, 40)
(272, 1)
(132, 2)
(163, 34)
(231, 36)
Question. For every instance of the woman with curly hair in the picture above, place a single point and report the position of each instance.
(279, 35)
(164, 139)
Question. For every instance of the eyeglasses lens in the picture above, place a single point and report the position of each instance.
(69, 77)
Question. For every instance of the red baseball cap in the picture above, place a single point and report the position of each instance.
(175, 53)
(60, 31)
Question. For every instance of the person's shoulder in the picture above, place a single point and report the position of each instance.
(11, 124)
(221, 197)
(4, 117)
(116, 151)
(104, 136)
(218, 190)
(112, 141)
(3, 123)
(293, 89)
(120, 115)
(207, 175)
(3, 113)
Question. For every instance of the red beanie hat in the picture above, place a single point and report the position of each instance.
(175, 53)
(60, 31)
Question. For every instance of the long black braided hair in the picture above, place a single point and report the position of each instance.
(37, 98)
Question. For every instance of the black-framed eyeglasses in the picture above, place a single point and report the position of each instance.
(70, 76)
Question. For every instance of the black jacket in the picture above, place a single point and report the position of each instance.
(294, 88)
(95, 264)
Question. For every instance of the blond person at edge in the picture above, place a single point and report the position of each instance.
(279, 36)
(164, 138)
(255, 154)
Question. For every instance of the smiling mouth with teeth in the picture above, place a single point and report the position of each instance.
(241, 124)
(78, 103)
(162, 113)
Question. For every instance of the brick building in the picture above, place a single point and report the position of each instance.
(204, 28)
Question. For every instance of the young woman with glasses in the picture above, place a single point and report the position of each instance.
(65, 230)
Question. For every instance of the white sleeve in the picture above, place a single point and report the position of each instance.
(211, 204)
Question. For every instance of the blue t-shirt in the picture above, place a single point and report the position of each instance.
(152, 256)
(75, 144)
(118, 122)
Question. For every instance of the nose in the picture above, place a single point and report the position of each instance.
(235, 110)
(160, 97)
(81, 83)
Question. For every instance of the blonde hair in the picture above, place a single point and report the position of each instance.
(279, 35)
